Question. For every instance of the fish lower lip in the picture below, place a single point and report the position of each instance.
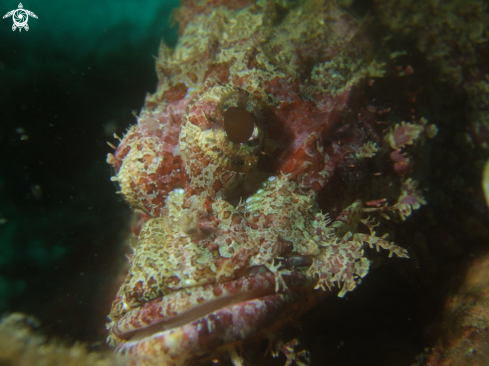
(155, 317)
(210, 336)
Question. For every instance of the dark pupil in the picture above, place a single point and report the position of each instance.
(238, 124)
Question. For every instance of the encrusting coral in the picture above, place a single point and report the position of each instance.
(21, 345)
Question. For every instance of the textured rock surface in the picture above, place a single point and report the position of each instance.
(463, 335)
(456, 42)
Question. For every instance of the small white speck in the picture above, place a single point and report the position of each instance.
(259, 191)
(271, 179)
(189, 91)
(179, 190)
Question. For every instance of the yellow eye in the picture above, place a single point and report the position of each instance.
(238, 124)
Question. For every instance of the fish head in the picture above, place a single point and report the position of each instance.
(252, 121)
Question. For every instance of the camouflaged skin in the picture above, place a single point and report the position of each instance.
(226, 219)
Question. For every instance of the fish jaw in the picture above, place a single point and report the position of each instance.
(238, 312)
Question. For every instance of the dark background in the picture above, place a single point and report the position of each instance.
(66, 86)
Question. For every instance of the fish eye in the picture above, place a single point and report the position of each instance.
(238, 124)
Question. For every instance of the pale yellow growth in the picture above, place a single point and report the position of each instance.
(431, 131)
(341, 73)
(409, 189)
(412, 132)
(20, 345)
(485, 181)
(396, 54)
(368, 150)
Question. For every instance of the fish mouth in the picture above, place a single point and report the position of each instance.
(242, 307)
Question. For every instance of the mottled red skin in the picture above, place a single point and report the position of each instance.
(297, 126)
(238, 321)
(311, 138)
(229, 325)
(165, 179)
(163, 309)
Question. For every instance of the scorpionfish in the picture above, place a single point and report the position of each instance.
(252, 141)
